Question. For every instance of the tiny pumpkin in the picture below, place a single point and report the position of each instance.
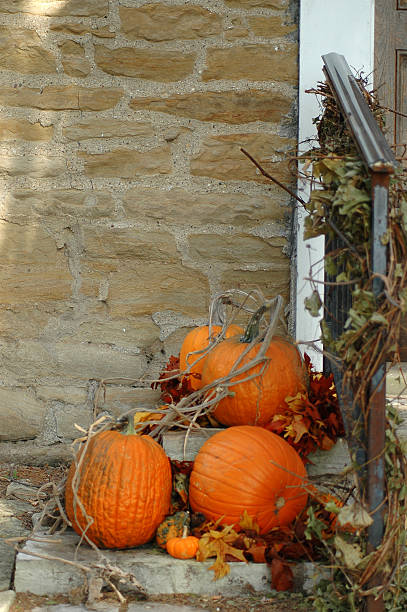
(184, 547)
(198, 339)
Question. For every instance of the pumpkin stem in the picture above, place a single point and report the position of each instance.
(130, 430)
(253, 326)
(185, 531)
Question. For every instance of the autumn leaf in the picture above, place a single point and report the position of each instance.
(248, 523)
(257, 553)
(282, 578)
(219, 544)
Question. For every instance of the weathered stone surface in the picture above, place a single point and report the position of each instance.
(85, 361)
(22, 129)
(30, 254)
(240, 249)
(35, 167)
(73, 59)
(253, 62)
(272, 282)
(22, 321)
(152, 287)
(60, 393)
(155, 65)
(113, 128)
(26, 205)
(56, 8)
(119, 399)
(120, 245)
(21, 50)
(26, 361)
(270, 27)
(21, 415)
(55, 97)
(221, 157)
(223, 106)
(138, 333)
(127, 163)
(182, 447)
(65, 418)
(248, 4)
(81, 28)
(180, 207)
(29, 453)
(158, 22)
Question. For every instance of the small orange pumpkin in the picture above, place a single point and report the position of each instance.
(184, 547)
(248, 468)
(198, 340)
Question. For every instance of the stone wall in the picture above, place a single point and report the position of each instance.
(125, 199)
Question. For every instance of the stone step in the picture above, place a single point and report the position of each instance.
(154, 569)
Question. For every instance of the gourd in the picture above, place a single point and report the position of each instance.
(184, 547)
(198, 340)
(248, 468)
(123, 484)
(171, 527)
(257, 400)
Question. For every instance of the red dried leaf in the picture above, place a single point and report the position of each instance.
(256, 553)
(282, 578)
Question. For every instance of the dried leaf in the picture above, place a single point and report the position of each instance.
(248, 523)
(351, 553)
(282, 578)
(219, 544)
(354, 516)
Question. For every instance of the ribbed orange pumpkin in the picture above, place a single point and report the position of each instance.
(255, 401)
(238, 469)
(184, 547)
(125, 486)
(197, 340)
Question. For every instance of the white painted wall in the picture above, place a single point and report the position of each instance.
(345, 27)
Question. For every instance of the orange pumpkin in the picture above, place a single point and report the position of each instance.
(248, 468)
(255, 401)
(184, 547)
(198, 340)
(124, 485)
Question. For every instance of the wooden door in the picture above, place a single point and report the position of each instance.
(390, 80)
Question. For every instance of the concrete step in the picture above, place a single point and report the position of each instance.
(154, 569)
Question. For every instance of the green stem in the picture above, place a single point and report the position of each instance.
(253, 326)
(130, 431)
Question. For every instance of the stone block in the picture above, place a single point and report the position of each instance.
(249, 4)
(221, 157)
(159, 22)
(239, 249)
(333, 461)
(127, 163)
(21, 415)
(27, 206)
(21, 50)
(114, 128)
(221, 106)
(150, 287)
(153, 568)
(152, 64)
(41, 166)
(184, 447)
(253, 62)
(74, 61)
(22, 129)
(57, 8)
(6, 600)
(270, 27)
(179, 207)
(54, 97)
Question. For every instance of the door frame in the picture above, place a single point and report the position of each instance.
(345, 27)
